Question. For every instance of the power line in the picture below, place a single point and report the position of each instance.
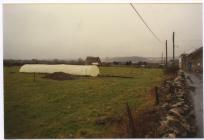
(145, 23)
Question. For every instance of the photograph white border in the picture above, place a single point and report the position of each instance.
(62, 1)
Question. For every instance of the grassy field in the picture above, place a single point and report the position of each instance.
(64, 109)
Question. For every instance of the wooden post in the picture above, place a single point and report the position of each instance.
(34, 76)
(131, 125)
(173, 47)
(166, 54)
(156, 96)
(172, 89)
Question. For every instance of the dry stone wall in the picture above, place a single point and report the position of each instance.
(177, 119)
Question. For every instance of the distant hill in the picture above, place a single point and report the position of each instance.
(134, 59)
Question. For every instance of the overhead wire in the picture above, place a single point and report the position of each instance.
(148, 27)
(142, 19)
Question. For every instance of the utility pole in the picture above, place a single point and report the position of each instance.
(173, 47)
(166, 53)
(162, 61)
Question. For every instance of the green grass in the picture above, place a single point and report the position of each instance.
(63, 109)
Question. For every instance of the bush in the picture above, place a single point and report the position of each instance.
(172, 69)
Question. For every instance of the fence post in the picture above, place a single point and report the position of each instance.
(131, 125)
(34, 77)
(156, 96)
(171, 89)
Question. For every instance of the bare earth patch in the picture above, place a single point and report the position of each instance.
(59, 76)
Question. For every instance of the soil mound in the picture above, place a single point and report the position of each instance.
(59, 76)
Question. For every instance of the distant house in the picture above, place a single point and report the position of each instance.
(193, 61)
(93, 61)
(183, 61)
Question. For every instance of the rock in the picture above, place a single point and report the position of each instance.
(180, 95)
(163, 126)
(165, 105)
(179, 130)
(162, 129)
(191, 113)
(176, 111)
(184, 134)
(186, 108)
(174, 130)
(147, 136)
(171, 118)
(177, 78)
(186, 126)
(178, 104)
(164, 123)
(192, 88)
(180, 99)
(168, 97)
(193, 129)
(171, 135)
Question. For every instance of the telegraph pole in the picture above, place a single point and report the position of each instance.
(173, 47)
(166, 53)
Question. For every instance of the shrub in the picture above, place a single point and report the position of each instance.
(172, 69)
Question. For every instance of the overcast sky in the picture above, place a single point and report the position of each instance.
(69, 31)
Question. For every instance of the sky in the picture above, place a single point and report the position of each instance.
(72, 31)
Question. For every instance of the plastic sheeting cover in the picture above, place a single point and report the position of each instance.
(84, 70)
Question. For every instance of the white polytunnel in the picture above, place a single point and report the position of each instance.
(83, 70)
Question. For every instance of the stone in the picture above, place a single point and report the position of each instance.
(179, 86)
(147, 136)
(176, 131)
(163, 127)
(186, 108)
(171, 135)
(170, 118)
(180, 94)
(178, 104)
(193, 129)
(180, 99)
(175, 111)
(177, 78)
(184, 134)
(186, 126)
(165, 105)
(192, 88)
(168, 97)
(191, 113)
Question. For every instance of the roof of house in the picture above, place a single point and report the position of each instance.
(93, 59)
(194, 53)
(183, 55)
